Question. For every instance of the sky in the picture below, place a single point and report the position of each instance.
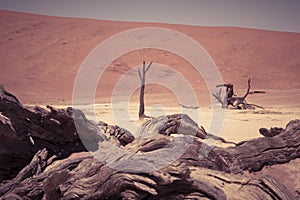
(280, 15)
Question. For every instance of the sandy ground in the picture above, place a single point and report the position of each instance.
(280, 107)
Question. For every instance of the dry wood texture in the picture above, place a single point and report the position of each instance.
(154, 166)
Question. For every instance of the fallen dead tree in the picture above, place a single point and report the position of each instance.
(24, 131)
(81, 176)
(231, 99)
(156, 165)
(176, 124)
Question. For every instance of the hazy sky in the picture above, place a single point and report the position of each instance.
(281, 15)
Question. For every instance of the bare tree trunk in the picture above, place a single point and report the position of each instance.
(142, 75)
(142, 103)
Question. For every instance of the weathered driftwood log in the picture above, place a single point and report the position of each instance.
(120, 135)
(272, 132)
(277, 130)
(176, 124)
(172, 124)
(24, 131)
(250, 155)
(253, 155)
(147, 174)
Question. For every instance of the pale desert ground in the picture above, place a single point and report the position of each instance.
(40, 56)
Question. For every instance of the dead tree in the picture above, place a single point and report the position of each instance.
(217, 175)
(142, 75)
(229, 94)
(240, 102)
(231, 99)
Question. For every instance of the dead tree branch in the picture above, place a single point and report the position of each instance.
(189, 107)
(218, 96)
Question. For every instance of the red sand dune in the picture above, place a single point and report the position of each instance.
(40, 55)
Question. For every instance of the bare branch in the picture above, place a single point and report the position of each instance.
(149, 65)
(140, 75)
(248, 90)
(251, 104)
(144, 64)
(257, 92)
(221, 85)
(218, 97)
(189, 107)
